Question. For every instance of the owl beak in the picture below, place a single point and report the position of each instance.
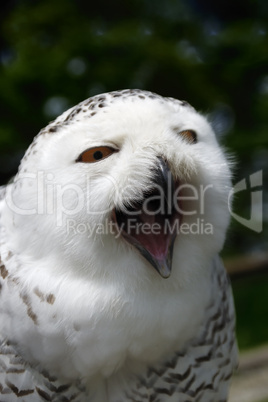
(149, 223)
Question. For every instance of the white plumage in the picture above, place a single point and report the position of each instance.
(96, 305)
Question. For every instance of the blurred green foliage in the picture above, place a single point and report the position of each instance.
(250, 295)
(54, 54)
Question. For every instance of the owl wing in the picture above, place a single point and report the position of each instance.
(19, 381)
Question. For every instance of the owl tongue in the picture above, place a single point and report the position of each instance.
(152, 235)
(149, 225)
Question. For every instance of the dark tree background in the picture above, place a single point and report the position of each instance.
(214, 54)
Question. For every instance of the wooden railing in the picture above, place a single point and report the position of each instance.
(246, 264)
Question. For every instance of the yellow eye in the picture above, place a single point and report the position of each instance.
(95, 154)
(189, 135)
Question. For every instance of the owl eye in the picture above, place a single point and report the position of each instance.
(95, 154)
(189, 135)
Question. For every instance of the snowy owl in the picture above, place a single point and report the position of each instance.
(111, 287)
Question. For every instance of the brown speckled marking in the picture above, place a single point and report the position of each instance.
(39, 294)
(15, 370)
(50, 298)
(185, 103)
(31, 314)
(9, 255)
(53, 129)
(3, 270)
(48, 376)
(58, 390)
(16, 391)
(43, 394)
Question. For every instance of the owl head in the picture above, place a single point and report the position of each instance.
(127, 177)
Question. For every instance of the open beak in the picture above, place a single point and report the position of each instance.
(150, 224)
